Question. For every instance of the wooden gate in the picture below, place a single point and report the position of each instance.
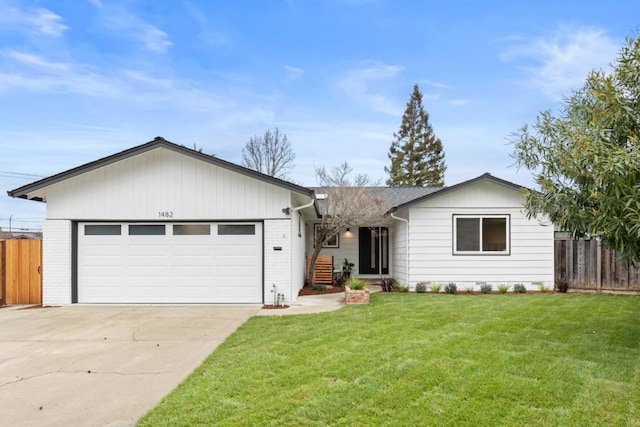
(21, 271)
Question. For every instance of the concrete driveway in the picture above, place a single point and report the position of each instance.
(102, 365)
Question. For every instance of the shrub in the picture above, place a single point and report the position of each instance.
(503, 288)
(469, 289)
(402, 288)
(387, 285)
(356, 284)
(421, 288)
(451, 288)
(563, 286)
(543, 287)
(436, 287)
(486, 288)
(519, 288)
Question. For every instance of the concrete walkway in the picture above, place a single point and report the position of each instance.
(309, 304)
(102, 365)
(85, 365)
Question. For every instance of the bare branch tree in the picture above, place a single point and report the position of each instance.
(346, 203)
(270, 154)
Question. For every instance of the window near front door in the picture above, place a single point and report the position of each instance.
(333, 242)
(481, 235)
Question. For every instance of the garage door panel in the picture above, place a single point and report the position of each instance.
(101, 250)
(232, 272)
(187, 268)
(147, 250)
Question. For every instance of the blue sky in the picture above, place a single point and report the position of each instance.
(83, 79)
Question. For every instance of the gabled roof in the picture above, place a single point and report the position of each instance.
(438, 192)
(158, 142)
(393, 196)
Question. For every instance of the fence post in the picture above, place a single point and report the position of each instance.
(3, 276)
(599, 266)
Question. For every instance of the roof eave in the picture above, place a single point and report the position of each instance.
(456, 187)
(22, 192)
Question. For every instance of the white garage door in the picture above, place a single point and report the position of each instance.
(170, 263)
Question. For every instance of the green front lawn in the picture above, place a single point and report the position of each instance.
(422, 359)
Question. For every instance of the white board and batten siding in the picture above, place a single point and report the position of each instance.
(298, 252)
(530, 260)
(398, 249)
(347, 247)
(164, 185)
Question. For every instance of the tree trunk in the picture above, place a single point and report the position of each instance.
(312, 264)
(321, 238)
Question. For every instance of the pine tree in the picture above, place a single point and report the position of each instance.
(416, 154)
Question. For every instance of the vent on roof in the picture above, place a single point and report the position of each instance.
(321, 196)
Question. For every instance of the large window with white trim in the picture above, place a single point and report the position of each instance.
(481, 234)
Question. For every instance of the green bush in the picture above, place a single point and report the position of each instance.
(468, 289)
(503, 288)
(519, 288)
(486, 288)
(544, 288)
(421, 288)
(436, 287)
(451, 288)
(356, 284)
(402, 288)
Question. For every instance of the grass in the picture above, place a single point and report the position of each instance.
(412, 359)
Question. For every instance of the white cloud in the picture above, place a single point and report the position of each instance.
(34, 61)
(41, 20)
(154, 39)
(560, 62)
(293, 72)
(209, 33)
(115, 17)
(357, 84)
(459, 102)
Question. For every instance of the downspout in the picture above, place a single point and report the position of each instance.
(313, 200)
(406, 221)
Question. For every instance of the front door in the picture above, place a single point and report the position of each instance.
(373, 250)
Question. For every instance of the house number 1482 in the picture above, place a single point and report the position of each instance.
(165, 214)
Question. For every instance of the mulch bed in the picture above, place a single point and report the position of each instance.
(308, 290)
(274, 307)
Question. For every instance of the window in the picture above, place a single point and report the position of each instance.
(334, 242)
(102, 230)
(488, 235)
(146, 230)
(191, 229)
(236, 229)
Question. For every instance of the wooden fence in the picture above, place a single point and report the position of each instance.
(21, 271)
(588, 265)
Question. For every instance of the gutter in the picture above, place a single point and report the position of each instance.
(313, 200)
(406, 221)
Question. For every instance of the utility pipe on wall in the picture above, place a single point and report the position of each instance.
(406, 221)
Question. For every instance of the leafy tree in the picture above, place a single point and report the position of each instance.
(347, 203)
(416, 154)
(270, 154)
(586, 158)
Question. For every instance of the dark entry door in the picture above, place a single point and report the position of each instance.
(373, 250)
